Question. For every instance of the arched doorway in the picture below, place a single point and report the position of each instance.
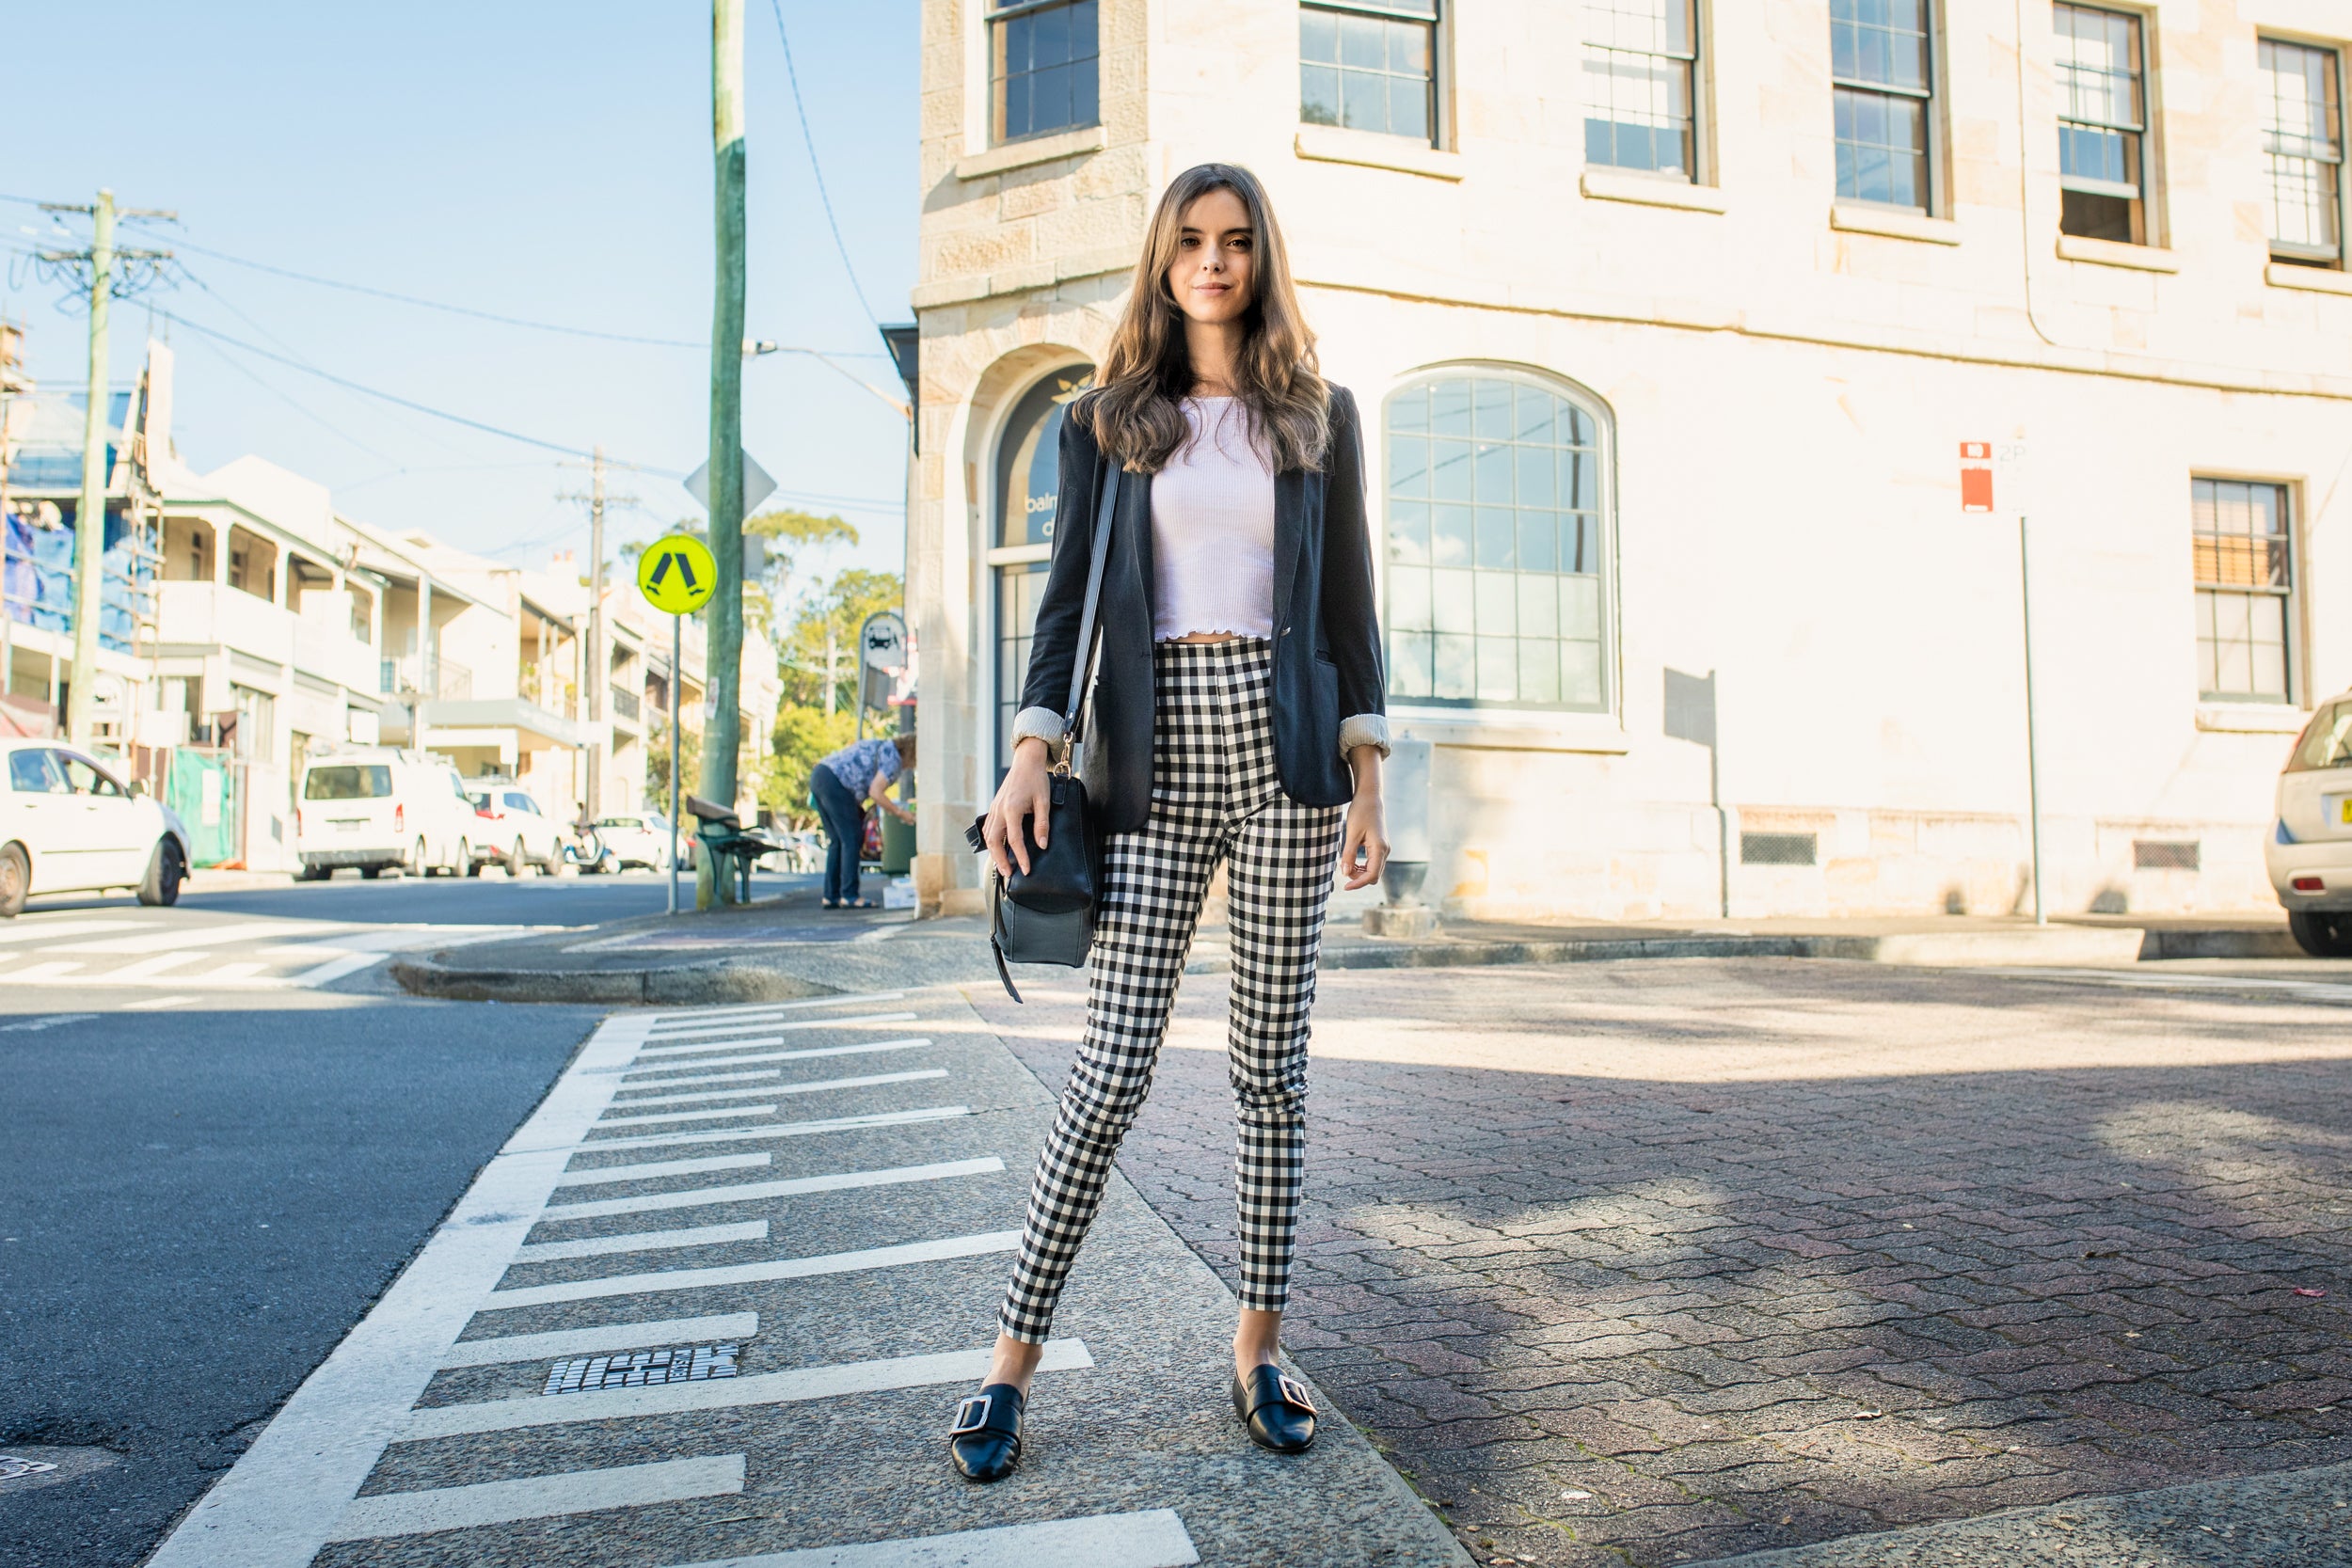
(1021, 541)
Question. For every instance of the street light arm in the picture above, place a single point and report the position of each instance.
(753, 349)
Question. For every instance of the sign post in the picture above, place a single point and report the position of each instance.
(882, 650)
(675, 575)
(1981, 463)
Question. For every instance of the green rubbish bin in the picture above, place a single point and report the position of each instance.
(897, 846)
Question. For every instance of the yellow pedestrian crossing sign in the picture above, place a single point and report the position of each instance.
(676, 573)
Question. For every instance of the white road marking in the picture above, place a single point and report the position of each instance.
(605, 1175)
(335, 969)
(753, 1191)
(749, 1007)
(643, 1240)
(801, 1055)
(789, 1130)
(154, 1004)
(705, 1094)
(918, 1075)
(190, 937)
(144, 968)
(703, 1078)
(284, 1496)
(34, 928)
(41, 973)
(752, 1273)
(499, 1502)
(227, 974)
(715, 1113)
(671, 1399)
(2322, 990)
(51, 1021)
(1154, 1537)
(656, 1335)
(660, 1043)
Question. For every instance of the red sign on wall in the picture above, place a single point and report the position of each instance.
(1976, 476)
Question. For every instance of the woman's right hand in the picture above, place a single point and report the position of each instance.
(1025, 793)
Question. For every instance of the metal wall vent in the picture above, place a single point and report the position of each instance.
(2166, 854)
(584, 1375)
(1780, 848)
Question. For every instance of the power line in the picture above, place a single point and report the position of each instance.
(814, 167)
(393, 397)
(462, 310)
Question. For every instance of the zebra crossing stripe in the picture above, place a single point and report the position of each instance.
(502, 1502)
(671, 1399)
(656, 1335)
(661, 1044)
(753, 1191)
(867, 1049)
(789, 1130)
(753, 1273)
(642, 1241)
(1154, 1538)
(599, 1175)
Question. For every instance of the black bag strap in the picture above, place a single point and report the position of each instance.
(1084, 658)
(996, 932)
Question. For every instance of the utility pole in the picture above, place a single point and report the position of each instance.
(89, 516)
(592, 673)
(721, 732)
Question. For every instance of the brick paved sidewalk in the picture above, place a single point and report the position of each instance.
(1661, 1262)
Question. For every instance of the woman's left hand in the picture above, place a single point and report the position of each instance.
(1364, 846)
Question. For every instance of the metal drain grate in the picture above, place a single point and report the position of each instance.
(687, 1364)
(1779, 848)
(2166, 854)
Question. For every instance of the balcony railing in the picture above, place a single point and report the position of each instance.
(454, 682)
(624, 706)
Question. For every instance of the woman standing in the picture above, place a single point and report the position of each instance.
(841, 783)
(1240, 707)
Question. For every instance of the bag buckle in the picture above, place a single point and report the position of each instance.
(966, 1423)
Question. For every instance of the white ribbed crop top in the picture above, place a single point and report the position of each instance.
(1213, 528)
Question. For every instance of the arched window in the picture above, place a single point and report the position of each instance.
(1029, 480)
(1498, 544)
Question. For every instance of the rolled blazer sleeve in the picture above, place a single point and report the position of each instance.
(1054, 644)
(1351, 617)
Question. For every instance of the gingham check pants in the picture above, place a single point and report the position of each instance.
(1214, 797)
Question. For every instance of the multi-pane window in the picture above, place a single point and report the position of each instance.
(2103, 125)
(1029, 487)
(1498, 546)
(1043, 72)
(1641, 60)
(1369, 65)
(2303, 144)
(2243, 544)
(1884, 93)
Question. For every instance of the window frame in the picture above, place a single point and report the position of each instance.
(995, 560)
(2290, 597)
(2313, 256)
(1700, 66)
(1440, 22)
(1479, 711)
(2142, 200)
(1931, 98)
(993, 17)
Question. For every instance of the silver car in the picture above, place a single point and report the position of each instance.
(2309, 851)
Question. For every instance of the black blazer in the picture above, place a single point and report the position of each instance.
(1327, 632)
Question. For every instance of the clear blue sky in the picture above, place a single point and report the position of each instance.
(543, 160)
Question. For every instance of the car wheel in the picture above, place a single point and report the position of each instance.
(516, 862)
(166, 869)
(371, 872)
(2323, 936)
(16, 879)
(464, 866)
(414, 864)
(315, 873)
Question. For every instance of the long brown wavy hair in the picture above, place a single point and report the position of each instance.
(1135, 411)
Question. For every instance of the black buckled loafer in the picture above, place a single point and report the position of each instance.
(1276, 1409)
(985, 1442)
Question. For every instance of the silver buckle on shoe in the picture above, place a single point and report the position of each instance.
(1295, 1393)
(968, 1423)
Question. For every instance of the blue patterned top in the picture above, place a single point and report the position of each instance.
(855, 766)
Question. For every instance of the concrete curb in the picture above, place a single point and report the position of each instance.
(689, 985)
(2061, 946)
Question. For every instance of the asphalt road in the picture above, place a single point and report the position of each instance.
(196, 1206)
(492, 899)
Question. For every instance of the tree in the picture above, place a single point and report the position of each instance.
(804, 736)
(838, 609)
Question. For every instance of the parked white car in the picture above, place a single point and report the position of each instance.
(510, 827)
(643, 838)
(69, 824)
(377, 809)
(2310, 852)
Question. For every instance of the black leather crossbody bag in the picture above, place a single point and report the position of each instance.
(1045, 915)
